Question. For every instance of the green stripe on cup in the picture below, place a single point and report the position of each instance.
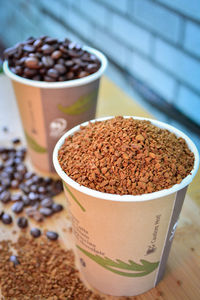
(34, 145)
(135, 270)
(73, 197)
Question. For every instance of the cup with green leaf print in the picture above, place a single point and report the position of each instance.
(123, 241)
(48, 109)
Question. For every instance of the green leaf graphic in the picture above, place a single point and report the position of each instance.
(140, 270)
(73, 197)
(34, 145)
(80, 106)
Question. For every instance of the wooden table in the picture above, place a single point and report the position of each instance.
(181, 280)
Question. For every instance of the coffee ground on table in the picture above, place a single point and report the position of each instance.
(44, 270)
(125, 156)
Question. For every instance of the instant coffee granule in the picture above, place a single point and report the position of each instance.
(125, 156)
(45, 271)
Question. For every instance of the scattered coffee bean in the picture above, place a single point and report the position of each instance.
(35, 232)
(14, 184)
(26, 200)
(16, 197)
(14, 260)
(16, 141)
(6, 219)
(5, 196)
(57, 207)
(52, 235)
(45, 211)
(47, 202)
(22, 222)
(17, 207)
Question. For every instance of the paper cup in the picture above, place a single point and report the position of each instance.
(123, 242)
(48, 109)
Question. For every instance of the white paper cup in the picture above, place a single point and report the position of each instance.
(48, 109)
(123, 242)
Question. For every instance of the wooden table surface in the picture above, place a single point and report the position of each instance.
(182, 276)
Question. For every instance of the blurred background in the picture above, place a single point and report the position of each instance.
(153, 46)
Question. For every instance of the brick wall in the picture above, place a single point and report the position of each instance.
(158, 41)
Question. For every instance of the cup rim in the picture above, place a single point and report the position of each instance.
(62, 84)
(128, 198)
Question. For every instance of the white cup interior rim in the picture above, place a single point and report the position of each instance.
(62, 84)
(128, 198)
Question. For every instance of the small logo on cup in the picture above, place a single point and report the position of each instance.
(57, 127)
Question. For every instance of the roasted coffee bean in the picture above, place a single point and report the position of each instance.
(47, 202)
(34, 188)
(6, 219)
(9, 162)
(31, 62)
(29, 48)
(22, 168)
(60, 68)
(30, 72)
(41, 54)
(16, 141)
(16, 197)
(49, 79)
(14, 184)
(56, 54)
(53, 73)
(37, 78)
(14, 260)
(26, 200)
(47, 61)
(2, 188)
(52, 235)
(37, 43)
(70, 75)
(18, 160)
(5, 196)
(41, 190)
(22, 222)
(30, 211)
(4, 156)
(24, 188)
(9, 52)
(33, 196)
(28, 175)
(3, 150)
(91, 68)
(35, 232)
(56, 207)
(82, 74)
(48, 180)
(17, 207)
(61, 61)
(37, 216)
(5, 175)
(29, 182)
(18, 176)
(47, 49)
(75, 68)
(45, 211)
(5, 182)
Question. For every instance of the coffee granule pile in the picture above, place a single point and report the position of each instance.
(43, 271)
(126, 157)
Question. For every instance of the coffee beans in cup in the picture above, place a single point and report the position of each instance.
(50, 59)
